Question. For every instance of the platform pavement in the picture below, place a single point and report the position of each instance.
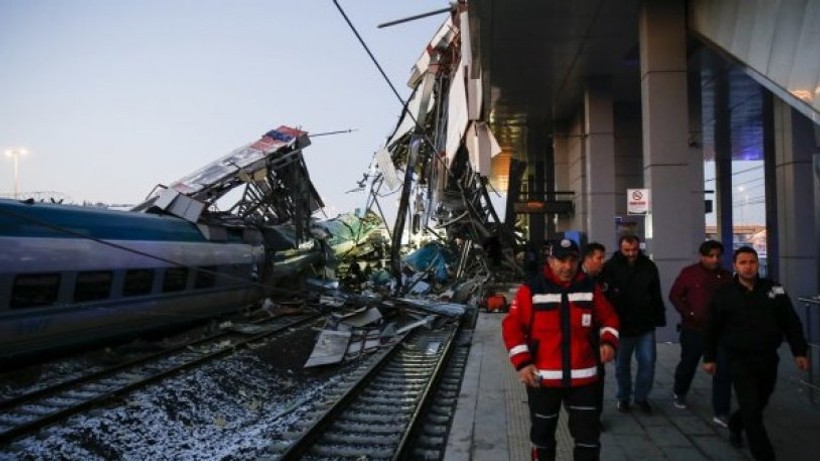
(491, 422)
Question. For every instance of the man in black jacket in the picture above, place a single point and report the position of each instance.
(592, 263)
(633, 286)
(750, 317)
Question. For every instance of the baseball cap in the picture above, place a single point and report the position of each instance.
(564, 248)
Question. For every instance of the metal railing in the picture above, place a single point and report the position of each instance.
(811, 308)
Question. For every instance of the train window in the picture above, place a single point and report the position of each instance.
(205, 277)
(175, 279)
(93, 285)
(33, 290)
(235, 235)
(138, 282)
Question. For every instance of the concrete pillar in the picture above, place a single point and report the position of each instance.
(561, 146)
(770, 182)
(696, 159)
(599, 163)
(577, 172)
(628, 161)
(670, 233)
(816, 171)
(549, 178)
(795, 146)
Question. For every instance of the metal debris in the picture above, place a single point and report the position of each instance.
(330, 347)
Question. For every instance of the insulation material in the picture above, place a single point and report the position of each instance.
(466, 51)
(474, 98)
(441, 39)
(457, 113)
(482, 146)
(388, 169)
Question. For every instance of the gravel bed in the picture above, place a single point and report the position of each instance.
(228, 410)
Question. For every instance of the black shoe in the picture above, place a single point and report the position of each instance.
(735, 431)
(622, 406)
(735, 439)
(543, 454)
(645, 407)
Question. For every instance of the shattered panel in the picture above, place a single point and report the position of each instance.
(330, 348)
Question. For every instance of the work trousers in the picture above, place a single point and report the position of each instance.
(691, 351)
(581, 405)
(599, 392)
(754, 378)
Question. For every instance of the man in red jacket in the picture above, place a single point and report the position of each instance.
(691, 294)
(550, 334)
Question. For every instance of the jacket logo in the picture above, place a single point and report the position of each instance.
(776, 291)
(586, 320)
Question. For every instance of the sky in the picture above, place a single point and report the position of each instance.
(748, 189)
(113, 98)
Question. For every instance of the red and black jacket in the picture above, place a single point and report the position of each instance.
(692, 292)
(552, 324)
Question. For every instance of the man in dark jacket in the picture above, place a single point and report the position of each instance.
(750, 317)
(634, 288)
(691, 294)
(592, 263)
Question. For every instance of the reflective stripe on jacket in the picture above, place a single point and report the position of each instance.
(552, 324)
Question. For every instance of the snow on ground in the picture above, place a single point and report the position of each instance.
(229, 410)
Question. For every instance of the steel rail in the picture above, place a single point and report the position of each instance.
(129, 385)
(383, 366)
(432, 384)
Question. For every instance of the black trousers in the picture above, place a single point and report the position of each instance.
(753, 378)
(600, 391)
(691, 351)
(581, 405)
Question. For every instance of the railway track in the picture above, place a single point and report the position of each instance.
(399, 407)
(27, 413)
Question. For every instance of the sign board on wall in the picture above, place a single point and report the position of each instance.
(637, 201)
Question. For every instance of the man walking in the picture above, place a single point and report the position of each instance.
(691, 294)
(634, 287)
(750, 317)
(592, 263)
(548, 333)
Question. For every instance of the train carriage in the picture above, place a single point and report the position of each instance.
(71, 275)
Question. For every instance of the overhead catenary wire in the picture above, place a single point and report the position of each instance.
(735, 173)
(404, 104)
(419, 133)
(369, 53)
(405, 109)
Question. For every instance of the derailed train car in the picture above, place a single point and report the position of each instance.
(72, 275)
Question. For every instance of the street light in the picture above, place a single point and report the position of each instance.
(15, 155)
